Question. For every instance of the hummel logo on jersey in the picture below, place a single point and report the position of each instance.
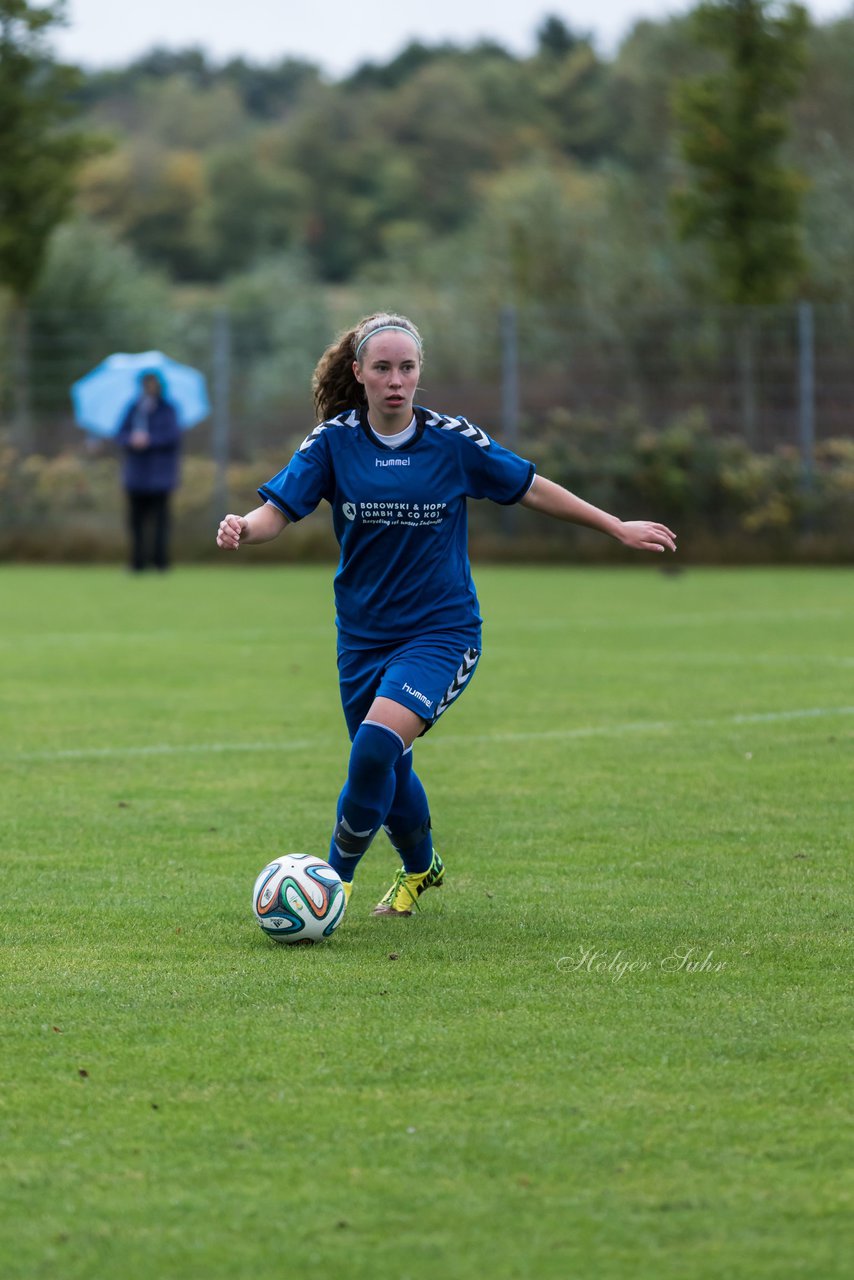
(392, 462)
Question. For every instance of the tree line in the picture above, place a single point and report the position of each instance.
(710, 159)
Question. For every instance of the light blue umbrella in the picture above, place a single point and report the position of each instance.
(102, 397)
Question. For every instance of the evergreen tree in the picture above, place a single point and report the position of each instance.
(39, 153)
(740, 198)
(555, 39)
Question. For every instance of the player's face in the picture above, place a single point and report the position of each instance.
(389, 368)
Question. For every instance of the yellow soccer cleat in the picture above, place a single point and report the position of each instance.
(407, 888)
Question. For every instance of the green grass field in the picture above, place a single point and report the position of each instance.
(614, 1045)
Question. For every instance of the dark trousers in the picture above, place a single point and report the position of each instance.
(148, 515)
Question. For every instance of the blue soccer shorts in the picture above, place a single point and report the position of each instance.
(426, 675)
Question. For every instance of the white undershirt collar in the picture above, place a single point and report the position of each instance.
(399, 438)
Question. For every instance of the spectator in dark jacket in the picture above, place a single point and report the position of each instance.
(151, 440)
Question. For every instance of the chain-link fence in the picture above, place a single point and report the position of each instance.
(772, 375)
(778, 382)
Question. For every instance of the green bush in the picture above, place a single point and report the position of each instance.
(714, 490)
(725, 501)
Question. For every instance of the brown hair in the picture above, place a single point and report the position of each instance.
(334, 384)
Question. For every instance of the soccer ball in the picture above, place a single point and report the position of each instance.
(298, 898)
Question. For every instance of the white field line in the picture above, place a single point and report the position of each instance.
(69, 639)
(543, 735)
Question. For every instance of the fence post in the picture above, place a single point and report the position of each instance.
(509, 397)
(221, 408)
(22, 418)
(509, 378)
(746, 332)
(806, 394)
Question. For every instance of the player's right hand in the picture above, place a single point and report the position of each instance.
(230, 531)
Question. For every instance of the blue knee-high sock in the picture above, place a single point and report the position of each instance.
(408, 823)
(367, 795)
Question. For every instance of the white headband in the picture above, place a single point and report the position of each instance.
(382, 328)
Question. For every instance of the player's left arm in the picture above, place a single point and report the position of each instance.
(553, 500)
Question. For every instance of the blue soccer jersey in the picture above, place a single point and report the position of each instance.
(400, 519)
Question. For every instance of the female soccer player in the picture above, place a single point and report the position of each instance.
(397, 477)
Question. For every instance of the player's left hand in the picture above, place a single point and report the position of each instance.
(645, 535)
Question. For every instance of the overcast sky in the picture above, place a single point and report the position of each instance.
(337, 35)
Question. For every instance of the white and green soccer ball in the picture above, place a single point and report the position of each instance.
(298, 898)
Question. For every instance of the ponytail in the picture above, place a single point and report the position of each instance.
(334, 384)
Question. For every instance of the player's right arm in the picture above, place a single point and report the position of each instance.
(261, 525)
